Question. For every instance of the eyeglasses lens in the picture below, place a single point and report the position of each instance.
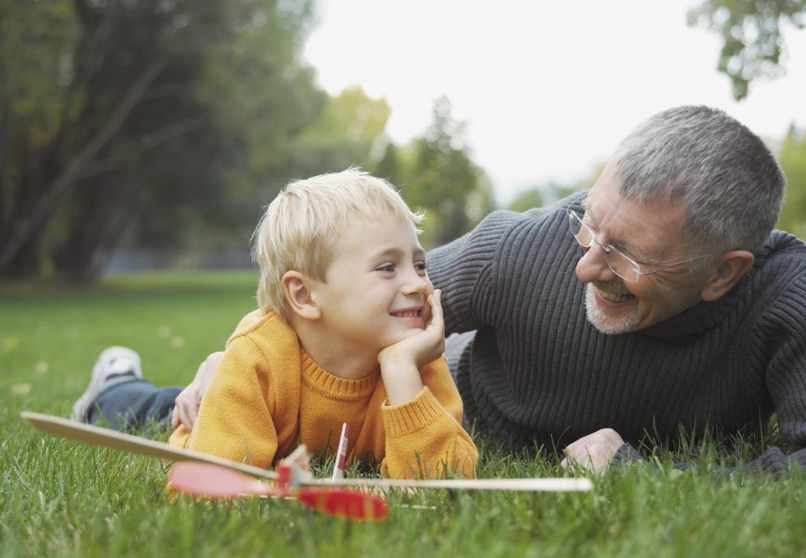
(620, 264)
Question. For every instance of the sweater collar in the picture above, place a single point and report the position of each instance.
(322, 381)
(700, 318)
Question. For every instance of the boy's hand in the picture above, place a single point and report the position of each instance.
(186, 407)
(401, 362)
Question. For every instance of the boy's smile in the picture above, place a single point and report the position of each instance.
(375, 290)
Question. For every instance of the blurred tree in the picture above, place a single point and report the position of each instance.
(390, 165)
(792, 156)
(552, 192)
(527, 200)
(443, 178)
(751, 33)
(347, 132)
(118, 109)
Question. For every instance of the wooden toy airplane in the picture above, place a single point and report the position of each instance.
(209, 476)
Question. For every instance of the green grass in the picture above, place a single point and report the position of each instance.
(58, 498)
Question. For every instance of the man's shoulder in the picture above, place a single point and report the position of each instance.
(784, 243)
(505, 223)
(783, 255)
(777, 282)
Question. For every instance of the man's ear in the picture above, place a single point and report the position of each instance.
(298, 292)
(729, 269)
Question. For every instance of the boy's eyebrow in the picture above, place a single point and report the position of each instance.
(397, 252)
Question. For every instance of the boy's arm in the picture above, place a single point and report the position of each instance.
(186, 406)
(424, 436)
(422, 420)
(234, 419)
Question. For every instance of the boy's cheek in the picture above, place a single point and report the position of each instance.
(426, 314)
(430, 286)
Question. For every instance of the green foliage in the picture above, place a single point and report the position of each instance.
(166, 119)
(35, 43)
(792, 157)
(552, 192)
(59, 498)
(354, 116)
(527, 200)
(346, 133)
(751, 34)
(436, 173)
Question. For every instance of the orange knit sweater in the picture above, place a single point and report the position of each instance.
(268, 396)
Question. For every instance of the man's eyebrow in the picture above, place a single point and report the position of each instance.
(621, 245)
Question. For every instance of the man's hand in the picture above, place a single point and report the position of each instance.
(186, 408)
(401, 362)
(593, 452)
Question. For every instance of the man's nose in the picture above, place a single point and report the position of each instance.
(593, 265)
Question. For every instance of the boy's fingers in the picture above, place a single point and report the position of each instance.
(184, 418)
(193, 414)
(437, 317)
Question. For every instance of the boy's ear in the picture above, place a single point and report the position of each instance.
(298, 294)
(730, 267)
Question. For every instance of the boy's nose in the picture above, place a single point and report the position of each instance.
(417, 284)
(593, 266)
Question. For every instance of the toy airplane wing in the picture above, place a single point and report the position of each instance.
(107, 438)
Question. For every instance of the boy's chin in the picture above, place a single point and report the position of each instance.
(398, 337)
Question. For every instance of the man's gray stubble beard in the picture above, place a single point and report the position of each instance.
(598, 318)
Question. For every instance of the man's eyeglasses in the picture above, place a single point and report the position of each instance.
(618, 262)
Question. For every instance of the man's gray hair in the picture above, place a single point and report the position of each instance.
(730, 182)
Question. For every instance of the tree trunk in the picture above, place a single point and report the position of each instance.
(38, 218)
(104, 209)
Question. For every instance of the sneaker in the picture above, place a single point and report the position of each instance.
(114, 362)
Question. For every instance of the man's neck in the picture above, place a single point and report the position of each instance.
(339, 358)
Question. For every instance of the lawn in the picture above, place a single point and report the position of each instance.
(58, 498)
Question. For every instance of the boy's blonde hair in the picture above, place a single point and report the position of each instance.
(300, 227)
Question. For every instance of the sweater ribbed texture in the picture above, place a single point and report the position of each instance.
(538, 372)
(268, 396)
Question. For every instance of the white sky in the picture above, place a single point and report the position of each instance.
(548, 89)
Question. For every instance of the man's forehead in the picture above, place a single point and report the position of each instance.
(648, 229)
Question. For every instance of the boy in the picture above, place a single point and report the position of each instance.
(343, 288)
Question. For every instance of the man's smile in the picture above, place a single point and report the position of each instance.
(612, 297)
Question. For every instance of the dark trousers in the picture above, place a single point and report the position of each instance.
(133, 404)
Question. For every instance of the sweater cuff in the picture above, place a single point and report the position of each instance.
(411, 416)
(626, 454)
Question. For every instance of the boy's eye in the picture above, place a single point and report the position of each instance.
(420, 267)
(387, 268)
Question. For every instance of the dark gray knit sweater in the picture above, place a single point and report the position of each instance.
(538, 372)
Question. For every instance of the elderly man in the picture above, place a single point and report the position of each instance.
(686, 310)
